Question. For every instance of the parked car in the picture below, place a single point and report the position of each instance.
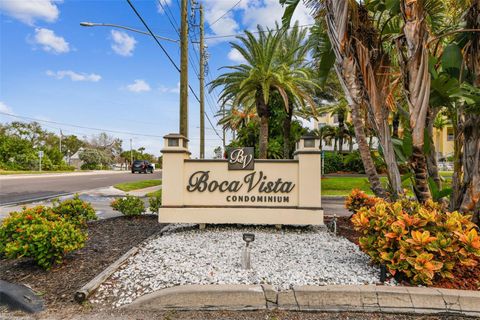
(142, 166)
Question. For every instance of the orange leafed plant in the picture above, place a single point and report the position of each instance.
(418, 242)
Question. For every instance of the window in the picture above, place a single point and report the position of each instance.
(450, 135)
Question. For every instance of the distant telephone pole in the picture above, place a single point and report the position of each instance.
(202, 85)
(184, 70)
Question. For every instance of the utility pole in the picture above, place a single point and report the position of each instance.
(184, 70)
(61, 134)
(131, 154)
(202, 85)
(223, 131)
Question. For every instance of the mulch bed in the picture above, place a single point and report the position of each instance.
(108, 240)
(464, 278)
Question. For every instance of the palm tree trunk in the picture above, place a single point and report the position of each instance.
(431, 154)
(341, 129)
(365, 154)
(262, 154)
(471, 128)
(414, 66)
(395, 124)
(457, 192)
(471, 165)
(262, 110)
(287, 123)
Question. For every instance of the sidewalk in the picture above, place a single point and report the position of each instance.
(99, 198)
(63, 174)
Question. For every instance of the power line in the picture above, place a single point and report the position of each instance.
(81, 127)
(223, 15)
(171, 60)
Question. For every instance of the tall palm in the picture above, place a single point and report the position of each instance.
(293, 52)
(262, 74)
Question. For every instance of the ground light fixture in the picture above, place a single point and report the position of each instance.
(246, 253)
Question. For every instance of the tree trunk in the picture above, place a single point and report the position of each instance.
(365, 154)
(341, 130)
(457, 193)
(395, 124)
(262, 154)
(471, 127)
(471, 164)
(414, 66)
(337, 19)
(287, 123)
(262, 110)
(431, 154)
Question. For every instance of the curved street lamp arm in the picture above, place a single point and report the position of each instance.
(93, 24)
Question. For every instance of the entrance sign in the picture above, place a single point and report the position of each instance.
(241, 159)
(241, 189)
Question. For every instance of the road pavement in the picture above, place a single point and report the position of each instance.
(19, 189)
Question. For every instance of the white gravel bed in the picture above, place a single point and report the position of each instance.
(282, 258)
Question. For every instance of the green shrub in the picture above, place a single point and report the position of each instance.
(129, 205)
(332, 162)
(417, 242)
(155, 201)
(353, 162)
(75, 210)
(40, 234)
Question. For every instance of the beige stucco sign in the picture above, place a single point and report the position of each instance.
(241, 189)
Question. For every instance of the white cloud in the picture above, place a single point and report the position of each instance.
(164, 89)
(247, 15)
(236, 56)
(4, 108)
(165, 3)
(123, 44)
(139, 86)
(28, 11)
(74, 76)
(270, 12)
(50, 42)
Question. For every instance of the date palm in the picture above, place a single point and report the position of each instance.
(263, 73)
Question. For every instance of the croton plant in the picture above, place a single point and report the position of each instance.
(415, 241)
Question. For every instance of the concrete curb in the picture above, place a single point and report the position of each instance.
(355, 298)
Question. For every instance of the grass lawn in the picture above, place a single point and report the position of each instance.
(154, 193)
(135, 185)
(342, 186)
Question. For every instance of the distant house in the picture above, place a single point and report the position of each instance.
(74, 160)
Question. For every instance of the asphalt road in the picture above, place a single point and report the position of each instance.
(24, 189)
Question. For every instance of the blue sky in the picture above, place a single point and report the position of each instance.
(53, 69)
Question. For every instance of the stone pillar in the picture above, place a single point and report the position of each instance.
(175, 151)
(309, 159)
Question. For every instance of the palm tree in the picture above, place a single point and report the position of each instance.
(340, 110)
(293, 52)
(262, 74)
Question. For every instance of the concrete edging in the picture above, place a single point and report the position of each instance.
(356, 298)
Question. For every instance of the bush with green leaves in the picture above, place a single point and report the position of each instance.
(75, 210)
(129, 205)
(40, 234)
(155, 201)
(332, 162)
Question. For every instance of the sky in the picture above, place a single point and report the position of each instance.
(79, 79)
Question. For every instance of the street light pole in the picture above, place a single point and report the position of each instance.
(94, 24)
(202, 85)
(184, 70)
